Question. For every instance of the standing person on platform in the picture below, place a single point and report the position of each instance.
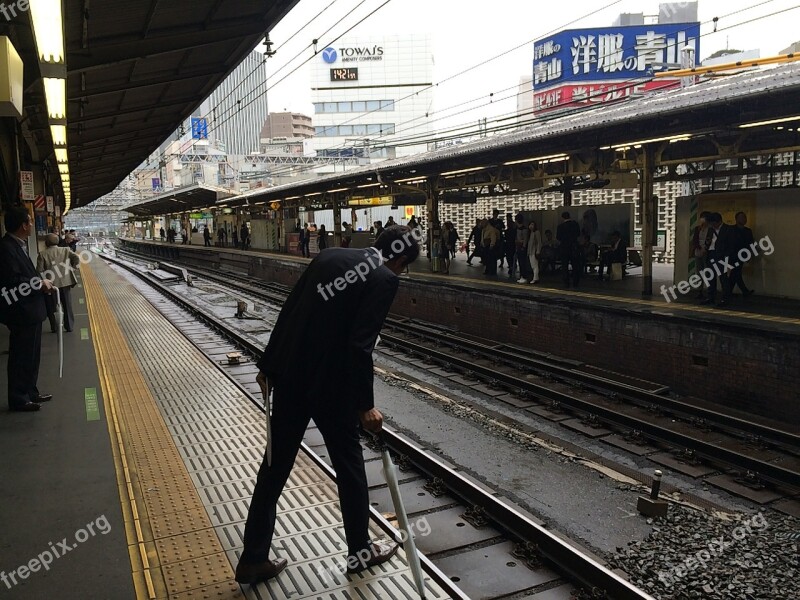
(184, 236)
(52, 264)
(510, 245)
(301, 241)
(235, 236)
(534, 250)
(742, 238)
(22, 310)
(720, 244)
(352, 314)
(322, 237)
(475, 239)
(698, 250)
(307, 242)
(206, 236)
(523, 238)
(492, 247)
(567, 236)
(163, 233)
(244, 236)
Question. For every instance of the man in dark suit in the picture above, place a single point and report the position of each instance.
(342, 298)
(567, 236)
(22, 310)
(720, 244)
(742, 238)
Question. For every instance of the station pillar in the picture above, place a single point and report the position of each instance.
(434, 228)
(647, 218)
(337, 225)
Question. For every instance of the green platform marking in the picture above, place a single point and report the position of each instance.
(80, 300)
(92, 407)
(84, 333)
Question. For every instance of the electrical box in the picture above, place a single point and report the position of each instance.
(11, 72)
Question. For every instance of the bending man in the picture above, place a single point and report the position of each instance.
(342, 298)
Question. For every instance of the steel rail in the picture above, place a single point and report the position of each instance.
(577, 565)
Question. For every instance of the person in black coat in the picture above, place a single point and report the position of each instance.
(742, 238)
(567, 236)
(343, 298)
(22, 310)
(720, 244)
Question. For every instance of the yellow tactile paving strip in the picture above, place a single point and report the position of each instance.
(174, 550)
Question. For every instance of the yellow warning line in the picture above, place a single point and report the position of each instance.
(617, 299)
(165, 516)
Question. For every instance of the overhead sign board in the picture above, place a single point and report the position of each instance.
(610, 53)
(199, 128)
(50, 204)
(26, 186)
(378, 201)
(583, 95)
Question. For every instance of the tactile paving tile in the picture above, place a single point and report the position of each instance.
(219, 435)
(187, 545)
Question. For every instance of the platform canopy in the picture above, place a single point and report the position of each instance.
(747, 114)
(138, 68)
(188, 199)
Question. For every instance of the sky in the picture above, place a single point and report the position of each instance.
(465, 36)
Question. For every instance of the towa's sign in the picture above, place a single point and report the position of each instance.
(352, 54)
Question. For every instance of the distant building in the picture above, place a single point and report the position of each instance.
(628, 19)
(730, 57)
(372, 95)
(791, 49)
(234, 113)
(287, 125)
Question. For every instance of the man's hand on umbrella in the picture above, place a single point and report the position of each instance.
(372, 420)
(47, 287)
(264, 384)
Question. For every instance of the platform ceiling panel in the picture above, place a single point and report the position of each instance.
(138, 68)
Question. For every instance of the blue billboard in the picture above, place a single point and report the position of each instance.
(199, 128)
(610, 53)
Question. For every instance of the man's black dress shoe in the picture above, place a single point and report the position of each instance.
(43, 398)
(377, 554)
(27, 407)
(253, 573)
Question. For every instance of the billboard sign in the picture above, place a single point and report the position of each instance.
(199, 128)
(606, 54)
(584, 95)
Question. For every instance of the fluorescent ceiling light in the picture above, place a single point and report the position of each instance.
(772, 122)
(669, 138)
(367, 185)
(463, 171)
(61, 155)
(63, 169)
(552, 157)
(59, 133)
(411, 180)
(48, 27)
(338, 190)
(55, 90)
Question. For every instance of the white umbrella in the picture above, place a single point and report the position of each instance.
(60, 319)
(399, 509)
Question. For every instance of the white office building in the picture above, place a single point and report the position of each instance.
(371, 96)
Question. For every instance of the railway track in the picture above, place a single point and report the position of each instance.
(760, 455)
(502, 552)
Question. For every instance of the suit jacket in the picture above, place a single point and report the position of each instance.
(59, 265)
(16, 268)
(725, 244)
(331, 302)
(567, 234)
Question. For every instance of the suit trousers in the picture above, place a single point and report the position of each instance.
(24, 352)
(341, 434)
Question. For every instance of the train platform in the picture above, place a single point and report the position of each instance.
(777, 314)
(134, 481)
(743, 357)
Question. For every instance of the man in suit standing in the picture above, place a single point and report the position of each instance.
(567, 235)
(342, 297)
(22, 309)
(720, 246)
(742, 238)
